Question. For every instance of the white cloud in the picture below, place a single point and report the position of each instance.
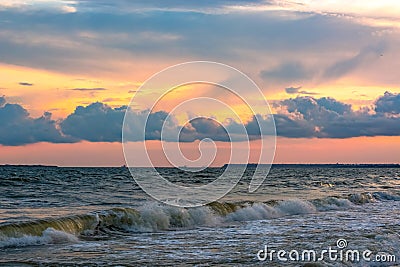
(65, 6)
(381, 13)
(385, 13)
(68, 9)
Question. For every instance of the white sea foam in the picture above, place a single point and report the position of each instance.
(294, 207)
(257, 211)
(261, 211)
(155, 217)
(332, 203)
(49, 236)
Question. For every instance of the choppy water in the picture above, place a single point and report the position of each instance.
(99, 217)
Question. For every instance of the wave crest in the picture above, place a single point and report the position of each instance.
(159, 217)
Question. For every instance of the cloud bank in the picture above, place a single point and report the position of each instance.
(95, 123)
(18, 128)
(300, 117)
(328, 118)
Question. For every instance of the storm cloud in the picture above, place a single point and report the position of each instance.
(328, 118)
(300, 117)
(96, 123)
(388, 103)
(18, 128)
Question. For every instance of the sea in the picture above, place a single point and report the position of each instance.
(302, 215)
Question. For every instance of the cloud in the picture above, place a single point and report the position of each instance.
(300, 117)
(207, 6)
(88, 89)
(113, 99)
(18, 128)
(345, 66)
(292, 90)
(296, 90)
(388, 103)
(303, 116)
(152, 124)
(68, 9)
(328, 118)
(315, 109)
(287, 72)
(201, 128)
(334, 105)
(64, 6)
(101, 32)
(25, 84)
(96, 122)
(2, 101)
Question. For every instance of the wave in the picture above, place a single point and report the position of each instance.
(157, 217)
(49, 236)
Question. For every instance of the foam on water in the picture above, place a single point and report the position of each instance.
(333, 203)
(153, 217)
(49, 236)
(257, 211)
(156, 217)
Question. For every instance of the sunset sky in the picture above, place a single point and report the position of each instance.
(330, 71)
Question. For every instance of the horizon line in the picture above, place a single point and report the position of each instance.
(221, 166)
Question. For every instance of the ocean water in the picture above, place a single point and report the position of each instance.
(53, 216)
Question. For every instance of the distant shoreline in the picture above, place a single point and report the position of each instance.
(251, 165)
(30, 165)
(329, 165)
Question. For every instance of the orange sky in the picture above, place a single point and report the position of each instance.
(353, 150)
(337, 49)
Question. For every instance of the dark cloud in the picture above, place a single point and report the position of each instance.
(96, 123)
(300, 117)
(388, 103)
(334, 105)
(2, 101)
(25, 84)
(259, 124)
(303, 116)
(198, 128)
(201, 128)
(154, 124)
(18, 128)
(292, 90)
(288, 126)
(329, 118)
(296, 90)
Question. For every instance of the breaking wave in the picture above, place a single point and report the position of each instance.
(157, 217)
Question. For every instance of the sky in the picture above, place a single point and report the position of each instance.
(328, 69)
